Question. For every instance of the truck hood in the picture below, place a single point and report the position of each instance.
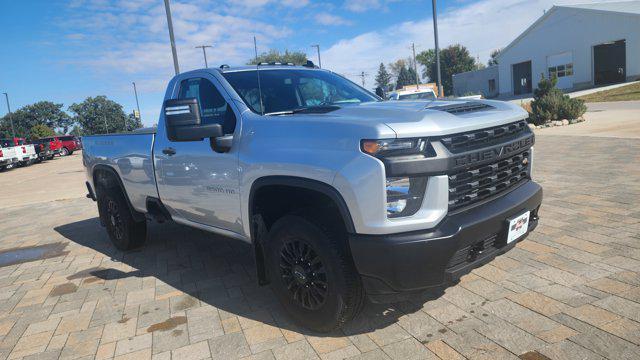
(432, 118)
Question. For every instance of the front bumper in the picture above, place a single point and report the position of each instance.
(417, 260)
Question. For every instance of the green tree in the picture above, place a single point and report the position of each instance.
(494, 57)
(76, 131)
(453, 60)
(99, 115)
(49, 114)
(44, 113)
(274, 55)
(383, 78)
(133, 122)
(396, 66)
(404, 78)
(40, 131)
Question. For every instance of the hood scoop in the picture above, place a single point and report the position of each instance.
(461, 108)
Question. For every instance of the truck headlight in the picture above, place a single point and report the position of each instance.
(393, 147)
(404, 195)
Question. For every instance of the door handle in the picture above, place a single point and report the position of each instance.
(169, 151)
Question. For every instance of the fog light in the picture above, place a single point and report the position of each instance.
(404, 195)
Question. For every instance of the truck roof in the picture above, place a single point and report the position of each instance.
(263, 66)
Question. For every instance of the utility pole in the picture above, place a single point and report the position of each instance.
(435, 35)
(319, 61)
(13, 130)
(415, 66)
(362, 75)
(167, 9)
(204, 52)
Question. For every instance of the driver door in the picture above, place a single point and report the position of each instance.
(195, 182)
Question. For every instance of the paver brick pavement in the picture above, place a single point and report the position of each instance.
(570, 290)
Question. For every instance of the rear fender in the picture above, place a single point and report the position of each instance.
(102, 182)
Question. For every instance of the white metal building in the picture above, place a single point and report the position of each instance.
(583, 45)
(483, 82)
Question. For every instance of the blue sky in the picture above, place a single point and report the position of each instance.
(65, 51)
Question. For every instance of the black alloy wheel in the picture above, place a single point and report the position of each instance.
(115, 220)
(312, 273)
(304, 274)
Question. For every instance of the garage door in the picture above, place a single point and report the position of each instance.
(561, 65)
(609, 63)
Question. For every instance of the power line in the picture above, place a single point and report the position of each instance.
(361, 75)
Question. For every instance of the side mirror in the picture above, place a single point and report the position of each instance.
(183, 122)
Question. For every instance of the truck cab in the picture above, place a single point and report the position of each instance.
(342, 196)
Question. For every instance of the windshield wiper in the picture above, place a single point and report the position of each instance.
(307, 109)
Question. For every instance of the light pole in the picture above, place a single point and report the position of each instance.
(435, 34)
(255, 47)
(204, 53)
(167, 9)
(415, 66)
(135, 91)
(13, 130)
(318, 49)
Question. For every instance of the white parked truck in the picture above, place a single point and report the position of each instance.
(24, 154)
(341, 195)
(8, 158)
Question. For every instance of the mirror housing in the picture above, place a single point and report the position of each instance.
(183, 121)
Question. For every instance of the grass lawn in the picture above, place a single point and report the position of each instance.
(624, 93)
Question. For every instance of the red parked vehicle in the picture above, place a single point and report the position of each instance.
(55, 145)
(70, 144)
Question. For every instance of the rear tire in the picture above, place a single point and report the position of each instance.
(64, 152)
(312, 273)
(124, 231)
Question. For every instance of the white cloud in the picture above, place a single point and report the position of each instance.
(261, 3)
(362, 5)
(330, 19)
(480, 26)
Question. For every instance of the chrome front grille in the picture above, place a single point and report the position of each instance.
(476, 183)
(483, 138)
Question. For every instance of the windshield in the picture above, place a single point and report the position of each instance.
(287, 89)
(418, 96)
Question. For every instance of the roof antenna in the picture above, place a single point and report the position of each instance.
(255, 48)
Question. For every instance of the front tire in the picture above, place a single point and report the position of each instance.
(124, 231)
(64, 152)
(312, 274)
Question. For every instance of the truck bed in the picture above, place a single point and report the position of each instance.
(131, 156)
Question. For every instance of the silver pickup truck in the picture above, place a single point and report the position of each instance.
(342, 196)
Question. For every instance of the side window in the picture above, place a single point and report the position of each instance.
(213, 108)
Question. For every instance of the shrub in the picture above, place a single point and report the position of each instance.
(549, 103)
(573, 108)
(40, 131)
